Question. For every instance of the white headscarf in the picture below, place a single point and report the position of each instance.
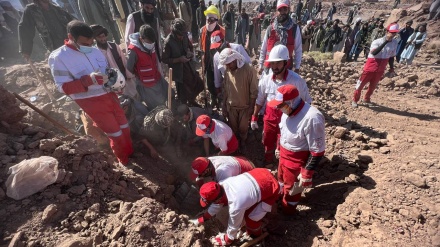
(228, 55)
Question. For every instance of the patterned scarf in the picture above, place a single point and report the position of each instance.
(282, 30)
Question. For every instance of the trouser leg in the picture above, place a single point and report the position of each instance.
(288, 176)
(372, 86)
(365, 78)
(270, 134)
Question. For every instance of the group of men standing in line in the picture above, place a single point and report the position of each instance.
(293, 130)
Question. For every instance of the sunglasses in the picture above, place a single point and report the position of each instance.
(212, 19)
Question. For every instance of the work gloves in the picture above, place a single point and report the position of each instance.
(98, 78)
(305, 178)
(254, 124)
(221, 240)
(196, 222)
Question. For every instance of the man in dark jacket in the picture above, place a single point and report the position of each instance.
(49, 20)
(178, 53)
(200, 15)
(332, 37)
(404, 34)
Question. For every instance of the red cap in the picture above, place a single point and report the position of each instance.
(216, 39)
(393, 28)
(198, 166)
(203, 122)
(209, 192)
(284, 93)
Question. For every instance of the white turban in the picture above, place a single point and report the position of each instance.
(228, 55)
(309, 22)
(358, 20)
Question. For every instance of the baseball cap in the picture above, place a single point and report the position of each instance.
(216, 38)
(198, 166)
(203, 122)
(284, 93)
(209, 192)
(283, 3)
(393, 28)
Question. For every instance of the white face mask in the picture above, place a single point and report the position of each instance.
(148, 46)
(211, 26)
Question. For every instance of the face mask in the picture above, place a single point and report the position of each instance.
(85, 49)
(211, 26)
(148, 46)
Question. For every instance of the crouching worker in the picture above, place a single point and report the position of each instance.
(249, 197)
(300, 146)
(219, 168)
(79, 71)
(220, 133)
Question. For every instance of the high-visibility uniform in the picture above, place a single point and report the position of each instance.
(267, 89)
(374, 68)
(222, 137)
(67, 66)
(302, 136)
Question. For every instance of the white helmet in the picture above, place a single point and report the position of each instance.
(278, 53)
(116, 80)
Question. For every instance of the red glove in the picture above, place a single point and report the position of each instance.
(221, 240)
(98, 78)
(305, 178)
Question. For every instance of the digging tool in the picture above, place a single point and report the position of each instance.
(203, 78)
(255, 240)
(170, 76)
(58, 125)
(52, 99)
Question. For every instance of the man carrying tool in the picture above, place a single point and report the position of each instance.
(49, 20)
(220, 133)
(79, 71)
(301, 144)
(283, 30)
(381, 51)
(249, 197)
(218, 168)
(239, 93)
(267, 89)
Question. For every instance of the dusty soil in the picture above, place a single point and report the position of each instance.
(378, 185)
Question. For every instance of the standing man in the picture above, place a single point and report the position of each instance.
(144, 63)
(200, 15)
(380, 52)
(220, 133)
(211, 26)
(178, 53)
(79, 71)
(255, 34)
(298, 10)
(239, 93)
(97, 12)
(404, 34)
(332, 37)
(351, 38)
(249, 197)
(301, 145)
(307, 33)
(242, 28)
(379, 31)
(267, 89)
(194, 28)
(361, 42)
(229, 23)
(331, 12)
(283, 30)
(146, 15)
(185, 13)
(350, 15)
(115, 58)
(49, 20)
(168, 12)
(218, 44)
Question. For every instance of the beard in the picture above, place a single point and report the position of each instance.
(282, 18)
(147, 17)
(103, 46)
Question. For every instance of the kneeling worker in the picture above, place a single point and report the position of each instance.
(249, 196)
(220, 133)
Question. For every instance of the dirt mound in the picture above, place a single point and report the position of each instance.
(10, 112)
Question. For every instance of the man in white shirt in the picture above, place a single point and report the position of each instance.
(115, 58)
(220, 134)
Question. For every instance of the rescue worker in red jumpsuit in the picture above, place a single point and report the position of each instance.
(267, 88)
(249, 196)
(79, 71)
(283, 31)
(301, 144)
(220, 133)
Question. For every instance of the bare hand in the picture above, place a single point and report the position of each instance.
(260, 71)
(183, 59)
(154, 154)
